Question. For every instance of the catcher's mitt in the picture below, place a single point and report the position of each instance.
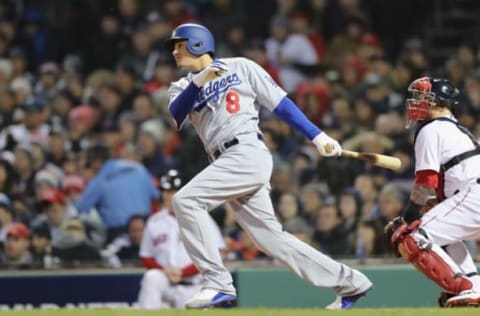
(388, 232)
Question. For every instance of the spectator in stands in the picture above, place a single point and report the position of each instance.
(58, 146)
(56, 213)
(35, 37)
(32, 129)
(81, 121)
(109, 42)
(241, 247)
(348, 42)
(42, 250)
(41, 162)
(45, 180)
(126, 78)
(7, 107)
(6, 216)
(76, 249)
(8, 177)
(151, 136)
(143, 56)
(110, 107)
(23, 164)
(130, 16)
(124, 250)
(19, 61)
(350, 207)
(15, 253)
(257, 53)
(177, 12)
(235, 42)
(328, 235)
(119, 190)
(290, 52)
(370, 241)
(288, 209)
(62, 104)
(312, 198)
(391, 202)
(47, 85)
(72, 187)
(365, 185)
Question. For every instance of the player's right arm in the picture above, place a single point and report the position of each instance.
(182, 99)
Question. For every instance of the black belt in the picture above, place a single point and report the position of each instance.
(229, 144)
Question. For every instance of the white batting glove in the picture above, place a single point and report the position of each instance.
(215, 69)
(326, 145)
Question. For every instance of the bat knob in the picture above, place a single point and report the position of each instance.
(328, 148)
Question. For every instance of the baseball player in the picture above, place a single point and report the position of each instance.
(221, 99)
(446, 169)
(171, 278)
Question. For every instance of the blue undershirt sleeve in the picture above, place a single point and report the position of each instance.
(291, 114)
(183, 103)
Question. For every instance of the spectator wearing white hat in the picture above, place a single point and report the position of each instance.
(150, 140)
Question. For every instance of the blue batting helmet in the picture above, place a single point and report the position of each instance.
(199, 39)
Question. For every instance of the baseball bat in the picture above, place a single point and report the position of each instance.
(379, 160)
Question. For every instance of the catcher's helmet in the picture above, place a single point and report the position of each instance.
(427, 92)
(199, 39)
(170, 181)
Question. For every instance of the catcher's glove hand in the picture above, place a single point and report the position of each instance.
(388, 232)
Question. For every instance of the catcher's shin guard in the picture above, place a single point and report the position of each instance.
(417, 249)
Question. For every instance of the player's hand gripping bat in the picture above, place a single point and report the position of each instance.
(379, 160)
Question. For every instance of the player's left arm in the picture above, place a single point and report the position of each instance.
(427, 177)
(426, 181)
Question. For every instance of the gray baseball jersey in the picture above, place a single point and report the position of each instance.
(228, 106)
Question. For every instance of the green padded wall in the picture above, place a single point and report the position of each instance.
(394, 286)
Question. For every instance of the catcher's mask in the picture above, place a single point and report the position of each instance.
(427, 92)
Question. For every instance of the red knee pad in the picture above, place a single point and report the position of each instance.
(432, 265)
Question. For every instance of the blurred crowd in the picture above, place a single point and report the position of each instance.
(85, 129)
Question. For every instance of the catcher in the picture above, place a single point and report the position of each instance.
(446, 169)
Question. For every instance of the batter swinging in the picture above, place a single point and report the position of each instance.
(221, 98)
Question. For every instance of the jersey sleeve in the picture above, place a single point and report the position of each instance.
(269, 93)
(146, 247)
(427, 150)
(173, 92)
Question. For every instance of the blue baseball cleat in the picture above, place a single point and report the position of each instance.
(211, 298)
(347, 302)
